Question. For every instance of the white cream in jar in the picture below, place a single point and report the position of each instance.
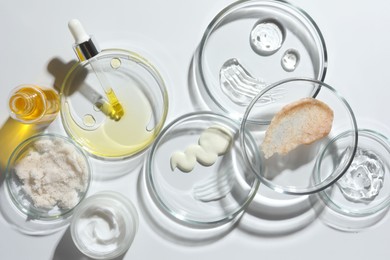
(104, 225)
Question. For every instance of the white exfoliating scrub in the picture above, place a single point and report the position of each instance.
(53, 173)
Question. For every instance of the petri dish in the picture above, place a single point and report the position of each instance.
(85, 111)
(104, 225)
(251, 44)
(293, 173)
(47, 176)
(206, 196)
(361, 196)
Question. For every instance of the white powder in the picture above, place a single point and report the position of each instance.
(53, 173)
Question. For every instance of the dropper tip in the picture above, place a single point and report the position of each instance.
(77, 31)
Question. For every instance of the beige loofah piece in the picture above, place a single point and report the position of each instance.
(302, 122)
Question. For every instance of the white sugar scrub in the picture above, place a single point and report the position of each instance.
(53, 173)
(213, 142)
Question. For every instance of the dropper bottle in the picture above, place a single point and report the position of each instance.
(86, 50)
(33, 104)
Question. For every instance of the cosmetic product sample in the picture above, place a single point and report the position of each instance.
(104, 225)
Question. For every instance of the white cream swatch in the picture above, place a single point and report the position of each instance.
(213, 142)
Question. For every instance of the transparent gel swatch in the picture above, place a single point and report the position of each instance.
(364, 178)
(267, 37)
(241, 87)
(290, 60)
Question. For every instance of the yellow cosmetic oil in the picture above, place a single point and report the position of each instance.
(121, 121)
(114, 138)
(12, 133)
(33, 104)
(117, 110)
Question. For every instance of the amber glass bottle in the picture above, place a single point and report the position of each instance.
(33, 104)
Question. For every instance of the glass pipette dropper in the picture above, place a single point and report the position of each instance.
(85, 49)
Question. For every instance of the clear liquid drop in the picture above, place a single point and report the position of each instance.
(89, 120)
(115, 63)
(290, 60)
(267, 37)
(364, 178)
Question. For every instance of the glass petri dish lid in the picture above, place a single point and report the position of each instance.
(293, 172)
(251, 44)
(47, 176)
(213, 192)
(362, 194)
(85, 110)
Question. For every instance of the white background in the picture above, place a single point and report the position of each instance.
(167, 33)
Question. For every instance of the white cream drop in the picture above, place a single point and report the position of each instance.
(213, 142)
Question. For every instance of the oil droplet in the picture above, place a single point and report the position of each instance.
(266, 37)
(115, 63)
(364, 178)
(89, 120)
(290, 60)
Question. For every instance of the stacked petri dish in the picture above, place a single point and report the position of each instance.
(254, 59)
(246, 48)
(293, 172)
(205, 169)
(189, 188)
(251, 44)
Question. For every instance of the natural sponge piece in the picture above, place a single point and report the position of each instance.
(302, 122)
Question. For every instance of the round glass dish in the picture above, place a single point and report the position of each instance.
(230, 66)
(47, 176)
(206, 196)
(293, 173)
(87, 115)
(358, 197)
(104, 225)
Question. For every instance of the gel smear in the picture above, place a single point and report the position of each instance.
(364, 178)
(267, 37)
(241, 87)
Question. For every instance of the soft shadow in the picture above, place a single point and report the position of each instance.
(59, 69)
(67, 250)
(336, 217)
(174, 230)
(343, 222)
(106, 170)
(198, 94)
(271, 214)
(25, 224)
(301, 155)
(12, 133)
